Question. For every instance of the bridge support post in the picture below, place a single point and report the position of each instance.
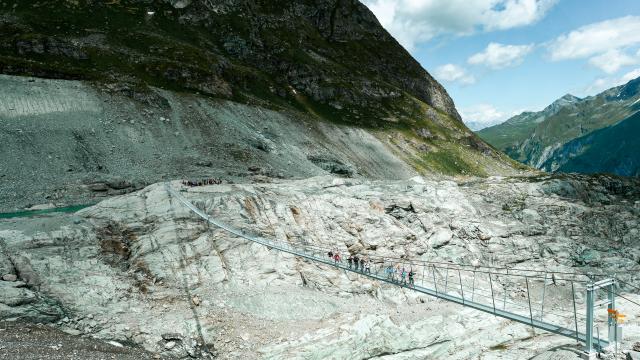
(446, 280)
(435, 282)
(493, 299)
(611, 297)
(575, 313)
(473, 287)
(609, 285)
(589, 330)
(544, 290)
(461, 289)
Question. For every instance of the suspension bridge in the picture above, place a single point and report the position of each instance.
(520, 295)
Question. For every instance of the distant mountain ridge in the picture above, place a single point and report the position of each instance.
(534, 137)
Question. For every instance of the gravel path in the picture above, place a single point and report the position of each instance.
(27, 341)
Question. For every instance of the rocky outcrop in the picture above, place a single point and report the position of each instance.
(140, 268)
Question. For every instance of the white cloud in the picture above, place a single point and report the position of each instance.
(415, 21)
(633, 74)
(602, 84)
(482, 114)
(498, 56)
(597, 38)
(453, 73)
(606, 44)
(613, 60)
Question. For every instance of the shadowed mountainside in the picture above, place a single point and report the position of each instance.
(614, 149)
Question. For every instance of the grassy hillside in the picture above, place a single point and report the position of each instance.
(515, 130)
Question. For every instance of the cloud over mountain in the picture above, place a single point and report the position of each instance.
(498, 56)
(415, 21)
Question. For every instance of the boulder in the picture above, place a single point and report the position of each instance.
(6, 267)
(26, 271)
(530, 216)
(440, 238)
(9, 277)
(15, 294)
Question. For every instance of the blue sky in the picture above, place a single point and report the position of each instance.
(501, 57)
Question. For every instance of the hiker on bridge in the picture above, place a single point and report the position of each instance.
(330, 254)
(336, 257)
(403, 275)
(411, 275)
(362, 264)
(350, 260)
(356, 261)
(367, 266)
(389, 272)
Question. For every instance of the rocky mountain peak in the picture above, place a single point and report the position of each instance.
(630, 89)
(569, 98)
(557, 105)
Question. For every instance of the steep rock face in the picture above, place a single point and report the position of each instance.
(534, 137)
(140, 268)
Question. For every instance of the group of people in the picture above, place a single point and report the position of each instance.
(203, 182)
(397, 274)
(363, 264)
(400, 275)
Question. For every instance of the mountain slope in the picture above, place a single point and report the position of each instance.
(104, 97)
(335, 53)
(614, 149)
(532, 137)
(520, 127)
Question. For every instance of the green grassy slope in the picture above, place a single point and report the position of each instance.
(515, 130)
